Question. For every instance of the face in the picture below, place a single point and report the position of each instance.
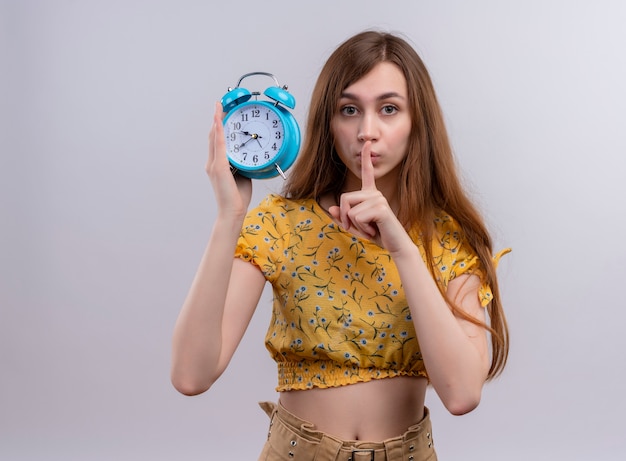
(374, 108)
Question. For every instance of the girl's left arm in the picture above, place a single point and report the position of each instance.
(455, 351)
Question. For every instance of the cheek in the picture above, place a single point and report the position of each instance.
(401, 136)
(339, 138)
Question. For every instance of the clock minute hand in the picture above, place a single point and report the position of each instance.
(257, 137)
(252, 136)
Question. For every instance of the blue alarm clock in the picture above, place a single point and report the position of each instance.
(262, 137)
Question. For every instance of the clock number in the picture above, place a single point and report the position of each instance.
(255, 135)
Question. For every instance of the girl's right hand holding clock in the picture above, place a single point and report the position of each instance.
(232, 192)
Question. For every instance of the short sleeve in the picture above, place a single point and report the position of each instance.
(460, 258)
(261, 242)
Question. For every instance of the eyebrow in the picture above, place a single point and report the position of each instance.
(390, 94)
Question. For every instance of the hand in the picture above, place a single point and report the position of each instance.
(232, 193)
(367, 213)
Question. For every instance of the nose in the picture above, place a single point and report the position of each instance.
(368, 128)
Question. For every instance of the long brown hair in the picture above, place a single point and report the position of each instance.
(429, 163)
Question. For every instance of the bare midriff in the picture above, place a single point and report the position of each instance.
(374, 411)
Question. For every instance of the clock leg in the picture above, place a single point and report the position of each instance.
(280, 171)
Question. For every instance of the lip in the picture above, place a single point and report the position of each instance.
(374, 156)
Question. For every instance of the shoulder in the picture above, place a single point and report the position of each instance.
(447, 237)
(443, 230)
(270, 202)
(276, 211)
(444, 223)
(280, 204)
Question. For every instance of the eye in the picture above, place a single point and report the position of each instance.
(348, 110)
(389, 109)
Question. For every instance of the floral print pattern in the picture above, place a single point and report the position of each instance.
(339, 313)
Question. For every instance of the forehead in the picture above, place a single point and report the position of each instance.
(384, 78)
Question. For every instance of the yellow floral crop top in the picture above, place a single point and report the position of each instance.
(339, 312)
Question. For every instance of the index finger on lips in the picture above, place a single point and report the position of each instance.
(368, 181)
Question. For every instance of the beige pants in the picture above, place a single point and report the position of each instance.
(291, 438)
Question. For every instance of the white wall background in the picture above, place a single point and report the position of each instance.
(105, 210)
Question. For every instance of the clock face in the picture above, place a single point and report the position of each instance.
(254, 134)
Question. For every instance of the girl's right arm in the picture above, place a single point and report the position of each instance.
(225, 290)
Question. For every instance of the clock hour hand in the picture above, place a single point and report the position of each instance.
(245, 133)
(252, 136)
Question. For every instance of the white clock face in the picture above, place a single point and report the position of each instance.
(254, 135)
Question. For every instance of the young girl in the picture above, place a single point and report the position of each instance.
(381, 268)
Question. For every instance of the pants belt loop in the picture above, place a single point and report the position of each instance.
(270, 409)
(393, 449)
(328, 448)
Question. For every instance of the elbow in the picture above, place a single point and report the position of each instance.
(191, 378)
(189, 389)
(462, 396)
(459, 405)
(462, 408)
(190, 386)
